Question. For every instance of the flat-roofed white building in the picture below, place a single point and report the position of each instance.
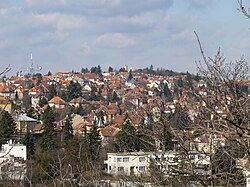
(13, 149)
(138, 163)
(12, 161)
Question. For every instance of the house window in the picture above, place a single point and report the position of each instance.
(141, 159)
(141, 168)
(119, 159)
(120, 169)
(125, 159)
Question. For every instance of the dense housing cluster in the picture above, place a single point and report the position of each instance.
(146, 125)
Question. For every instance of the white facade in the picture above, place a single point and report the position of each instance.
(12, 161)
(14, 150)
(137, 163)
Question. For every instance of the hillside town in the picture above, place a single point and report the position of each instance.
(89, 128)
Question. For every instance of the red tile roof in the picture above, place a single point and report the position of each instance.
(57, 100)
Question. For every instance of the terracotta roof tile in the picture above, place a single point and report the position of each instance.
(109, 131)
(57, 100)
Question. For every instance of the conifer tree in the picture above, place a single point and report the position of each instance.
(7, 127)
(30, 144)
(95, 142)
(127, 139)
(167, 92)
(52, 91)
(74, 90)
(68, 129)
(115, 97)
(79, 110)
(130, 76)
(48, 140)
(110, 69)
(180, 119)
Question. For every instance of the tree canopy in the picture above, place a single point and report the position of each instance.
(7, 127)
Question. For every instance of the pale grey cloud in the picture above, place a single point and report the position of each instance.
(114, 40)
(98, 7)
(201, 4)
(62, 32)
(62, 21)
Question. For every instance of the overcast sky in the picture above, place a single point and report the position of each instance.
(65, 35)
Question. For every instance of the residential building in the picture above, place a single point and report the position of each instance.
(140, 163)
(12, 161)
(24, 123)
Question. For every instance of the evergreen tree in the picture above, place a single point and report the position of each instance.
(93, 69)
(84, 70)
(180, 119)
(93, 91)
(110, 69)
(42, 101)
(122, 69)
(68, 129)
(49, 73)
(74, 90)
(79, 110)
(127, 139)
(166, 136)
(30, 144)
(189, 82)
(94, 142)
(130, 76)
(151, 69)
(99, 70)
(99, 95)
(52, 91)
(115, 97)
(146, 134)
(167, 139)
(16, 95)
(7, 127)
(167, 93)
(180, 83)
(38, 77)
(48, 139)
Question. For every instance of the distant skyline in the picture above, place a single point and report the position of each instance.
(66, 35)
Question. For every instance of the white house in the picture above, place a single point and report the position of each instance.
(127, 163)
(25, 123)
(13, 149)
(137, 163)
(12, 161)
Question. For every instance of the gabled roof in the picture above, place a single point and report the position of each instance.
(57, 100)
(6, 89)
(24, 117)
(109, 131)
(79, 100)
(119, 120)
(41, 89)
(81, 126)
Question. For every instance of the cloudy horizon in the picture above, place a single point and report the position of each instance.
(65, 35)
